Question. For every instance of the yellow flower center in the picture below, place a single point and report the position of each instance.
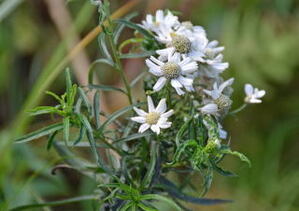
(171, 70)
(181, 43)
(152, 118)
(223, 101)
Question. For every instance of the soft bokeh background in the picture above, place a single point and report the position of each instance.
(262, 45)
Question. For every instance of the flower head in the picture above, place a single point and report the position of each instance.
(176, 69)
(218, 89)
(155, 119)
(253, 95)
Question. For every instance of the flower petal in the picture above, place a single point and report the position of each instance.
(138, 119)
(161, 108)
(156, 129)
(150, 104)
(167, 114)
(248, 89)
(143, 127)
(140, 112)
(160, 84)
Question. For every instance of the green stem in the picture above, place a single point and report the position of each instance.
(117, 61)
(238, 109)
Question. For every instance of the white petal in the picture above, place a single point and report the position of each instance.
(167, 114)
(165, 125)
(176, 84)
(138, 119)
(150, 104)
(226, 84)
(260, 93)
(143, 127)
(156, 129)
(209, 109)
(159, 84)
(161, 108)
(185, 81)
(248, 89)
(179, 91)
(140, 112)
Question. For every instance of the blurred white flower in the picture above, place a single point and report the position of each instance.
(155, 119)
(253, 95)
(160, 22)
(177, 69)
(217, 90)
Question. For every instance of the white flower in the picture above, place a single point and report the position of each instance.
(189, 44)
(217, 90)
(155, 119)
(160, 22)
(177, 69)
(253, 95)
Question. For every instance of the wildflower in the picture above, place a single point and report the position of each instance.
(217, 90)
(155, 119)
(160, 22)
(176, 69)
(253, 95)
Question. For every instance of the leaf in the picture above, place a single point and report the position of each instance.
(146, 208)
(121, 27)
(84, 98)
(39, 133)
(174, 191)
(115, 115)
(92, 143)
(129, 41)
(51, 140)
(154, 150)
(237, 154)
(141, 30)
(132, 137)
(222, 171)
(181, 132)
(136, 79)
(126, 206)
(106, 88)
(97, 108)
(66, 129)
(54, 96)
(44, 110)
(69, 84)
(136, 55)
(103, 47)
(56, 203)
(92, 67)
(162, 199)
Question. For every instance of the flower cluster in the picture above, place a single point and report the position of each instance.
(190, 63)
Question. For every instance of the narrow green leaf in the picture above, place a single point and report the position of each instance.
(54, 96)
(69, 84)
(237, 154)
(43, 110)
(146, 208)
(132, 137)
(181, 132)
(39, 133)
(120, 27)
(115, 115)
(84, 98)
(51, 140)
(154, 150)
(106, 88)
(103, 47)
(92, 67)
(136, 55)
(162, 199)
(222, 171)
(128, 42)
(126, 206)
(56, 203)
(66, 129)
(136, 79)
(136, 27)
(97, 108)
(92, 143)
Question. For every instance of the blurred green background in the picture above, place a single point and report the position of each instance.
(262, 46)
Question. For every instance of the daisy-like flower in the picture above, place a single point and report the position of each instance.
(177, 69)
(217, 90)
(253, 95)
(155, 119)
(160, 21)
